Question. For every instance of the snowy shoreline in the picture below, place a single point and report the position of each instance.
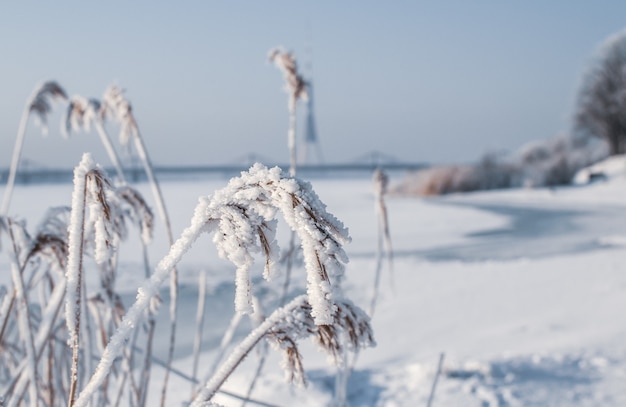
(521, 289)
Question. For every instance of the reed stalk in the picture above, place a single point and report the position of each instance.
(118, 105)
(75, 268)
(284, 327)
(39, 103)
(197, 342)
(384, 249)
(23, 315)
(249, 203)
(80, 115)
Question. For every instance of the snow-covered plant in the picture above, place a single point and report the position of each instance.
(135, 208)
(81, 114)
(39, 104)
(381, 183)
(24, 317)
(285, 327)
(119, 108)
(42, 254)
(21, 234)
(24, 249)
(89, 195)
(35, 330)
(19, 242)
(350, 321)
(50, 241)
(242, 217)
(99, 208)
(294, 84)
(295, 87)
(197, 340)
(132, 206)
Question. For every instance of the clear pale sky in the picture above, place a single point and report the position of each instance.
(435, 81)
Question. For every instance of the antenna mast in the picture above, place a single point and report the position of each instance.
(310, 129)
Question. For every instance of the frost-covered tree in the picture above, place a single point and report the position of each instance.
(601, 106)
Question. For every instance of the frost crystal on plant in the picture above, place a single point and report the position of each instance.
(242, 211)
(40, 103)
(294, 84)
(80, 114)
(242, 215)
(119, 108)
(352, 328)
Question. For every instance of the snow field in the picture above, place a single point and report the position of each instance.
(523, 290)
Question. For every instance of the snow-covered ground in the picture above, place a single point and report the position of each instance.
(523, 291)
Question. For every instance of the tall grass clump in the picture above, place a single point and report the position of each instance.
(242, 217)
(92, 211)
(39, 104)
(64, 342)
(48, 270)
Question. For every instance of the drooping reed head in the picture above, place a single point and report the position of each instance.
(109, 210)
(80, 114)
(41, 100)
(243, 215)
(135, 208)
(381, 182)
(351, 328)
(294, 84)
(119, 108)
(51, 238)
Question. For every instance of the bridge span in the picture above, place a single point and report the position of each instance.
(56, 175)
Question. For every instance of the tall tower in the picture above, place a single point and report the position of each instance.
(311, 149)
(311, 146)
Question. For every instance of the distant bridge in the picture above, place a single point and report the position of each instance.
(43, 175)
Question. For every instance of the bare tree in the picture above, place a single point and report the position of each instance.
(601, 105)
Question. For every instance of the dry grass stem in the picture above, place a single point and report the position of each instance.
(81, 114)
(296, 90)
(384, 249)
(49, 271)
(295, 86)
(39, 104)
(118, 106)
(289, 324)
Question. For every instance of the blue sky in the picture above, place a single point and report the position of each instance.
(436, 81)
